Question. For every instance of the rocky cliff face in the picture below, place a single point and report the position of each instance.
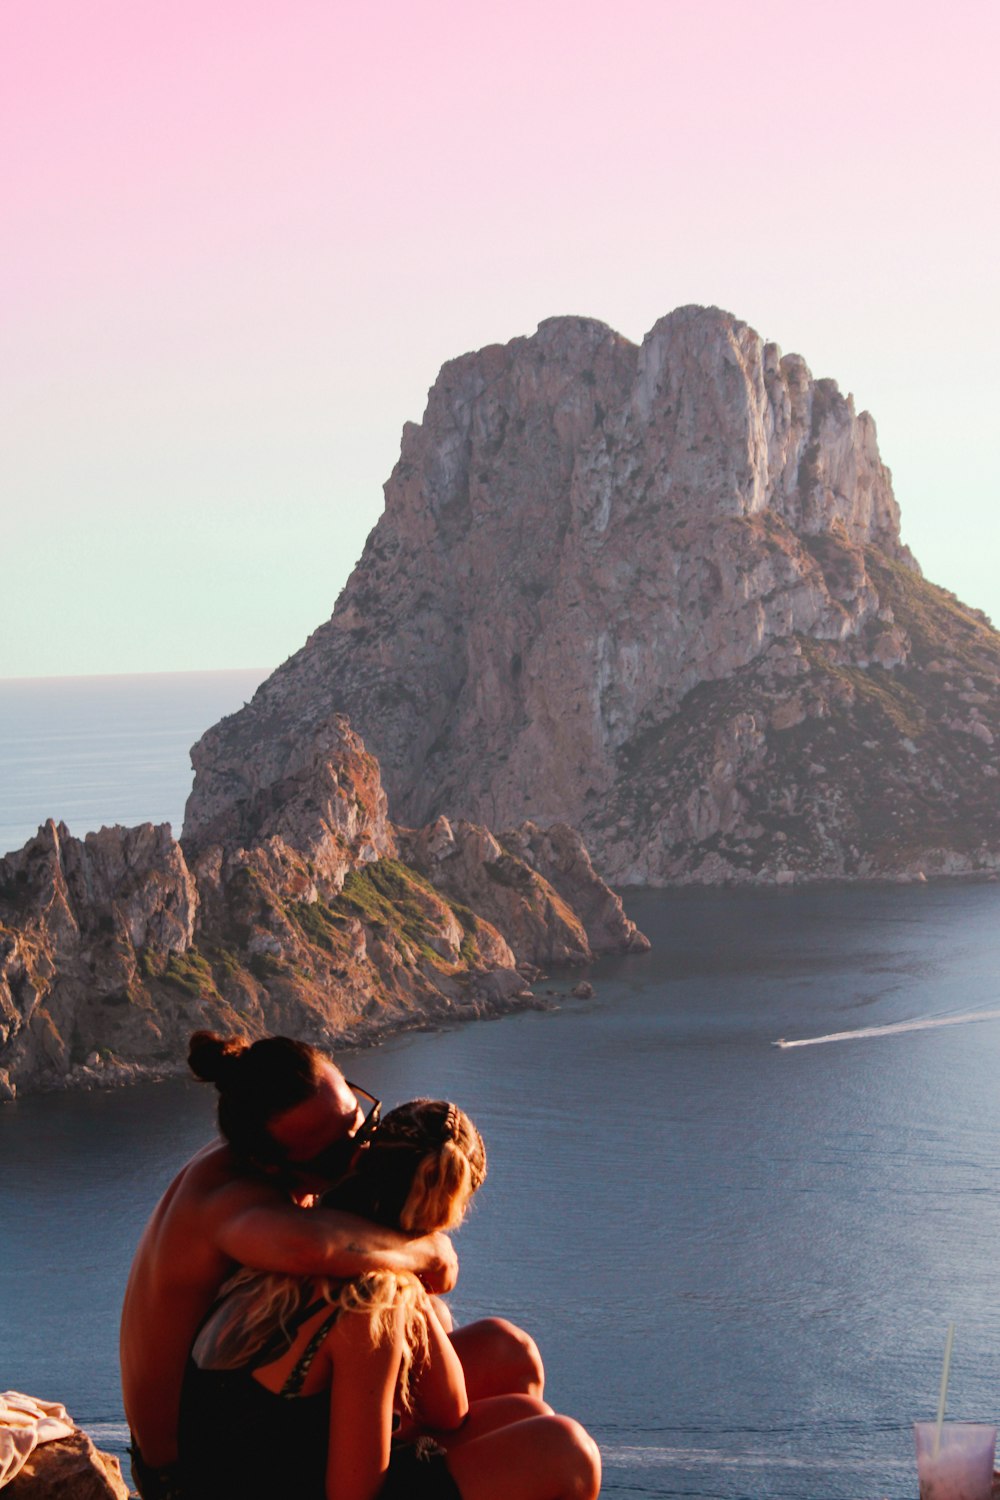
(659, 594)
(290, 912)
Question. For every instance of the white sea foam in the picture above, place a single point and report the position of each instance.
(896, 1029)
(107, 1432)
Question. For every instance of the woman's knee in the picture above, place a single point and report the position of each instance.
(499, 1357)
(518, 1353)
(581, 1462)
(544, 1457)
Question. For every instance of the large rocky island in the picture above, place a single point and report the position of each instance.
(658, 593)
(650, 602)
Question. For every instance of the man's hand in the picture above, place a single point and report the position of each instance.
(440, 1269)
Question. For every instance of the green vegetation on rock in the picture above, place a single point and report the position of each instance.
(189, 971)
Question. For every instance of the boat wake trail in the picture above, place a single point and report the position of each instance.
(895, 1029)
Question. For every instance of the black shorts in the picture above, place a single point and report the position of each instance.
(418, 1471)
(155, 1484)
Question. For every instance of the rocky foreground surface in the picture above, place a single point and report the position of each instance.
(657, 593)
(69, 1469)
(302, 910)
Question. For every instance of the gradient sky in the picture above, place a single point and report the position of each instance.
(239, 240)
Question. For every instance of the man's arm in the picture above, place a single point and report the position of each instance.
(326, 1242)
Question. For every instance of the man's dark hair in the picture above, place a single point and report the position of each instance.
(256, 1081)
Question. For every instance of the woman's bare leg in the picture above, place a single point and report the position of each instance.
(489, 1415)
(483, 1416)
(541, 1458)
(498, 1358)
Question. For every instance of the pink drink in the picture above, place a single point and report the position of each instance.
(963, 1466)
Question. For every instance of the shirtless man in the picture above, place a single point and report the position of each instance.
(241, 1202)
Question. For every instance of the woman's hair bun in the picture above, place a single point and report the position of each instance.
(211, 1056)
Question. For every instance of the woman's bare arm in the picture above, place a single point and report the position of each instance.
(440, 1398)
(444, 1314)
(365, 1372)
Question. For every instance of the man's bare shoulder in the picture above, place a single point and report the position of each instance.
(215, 1181)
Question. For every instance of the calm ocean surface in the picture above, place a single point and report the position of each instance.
(739, 1260)
(96, 750)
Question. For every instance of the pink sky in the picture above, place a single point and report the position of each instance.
(239, 241)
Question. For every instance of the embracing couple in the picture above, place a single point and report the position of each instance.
(281, 1336)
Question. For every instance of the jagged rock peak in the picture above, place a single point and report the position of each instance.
(320, 792)
(579, 535)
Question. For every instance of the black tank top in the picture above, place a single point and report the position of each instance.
(239, 1441)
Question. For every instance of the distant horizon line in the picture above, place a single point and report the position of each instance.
(104, 676)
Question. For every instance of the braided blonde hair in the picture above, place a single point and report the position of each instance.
(449, 1157)
(429, 1155)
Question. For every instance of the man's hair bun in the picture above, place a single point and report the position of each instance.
(255, 1081)
(211, 1057)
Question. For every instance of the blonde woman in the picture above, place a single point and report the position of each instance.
(296, 1386)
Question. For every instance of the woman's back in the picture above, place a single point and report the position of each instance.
(255, 1407)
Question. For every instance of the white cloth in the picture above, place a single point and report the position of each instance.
(24, 1423)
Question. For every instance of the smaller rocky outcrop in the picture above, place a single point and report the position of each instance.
(70, 1468)
(79, 920)
(294, 907)
(537, 884)
(559, 856)
(319, 794)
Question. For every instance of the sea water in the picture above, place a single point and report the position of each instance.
(739, 1259)
(101, 750)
